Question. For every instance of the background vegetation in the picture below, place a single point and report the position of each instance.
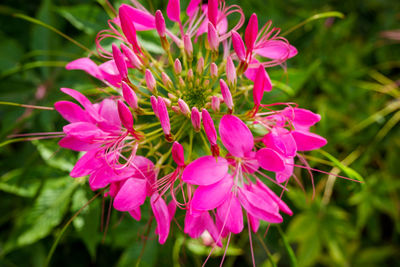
(347, 70)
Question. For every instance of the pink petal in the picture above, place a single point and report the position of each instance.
(108, 110)
(142, 20)
(101, 177)
(230, 212)
(87, 164)
(205, 171)
(258, 207)
(307, 141)
(135, 213)
(278, 50)
(282, 141)
(174, 10)
(251, 32)
(110, 73)
(119, 60)
(171, 209)
(235, 136)
(73, 143)
(87, 65)
(254, 223)
(83, 101)
(250, 164)
(71, 111)
(213, 12)
(131, 195)
(195, 225)
(238, 46)
(211, 196)
(192, 7)
(262, 83)
(127, 26)
(282, 205)
(270, 160)
(301, 117)
(282, 176)
(84, 131)
(161, 214)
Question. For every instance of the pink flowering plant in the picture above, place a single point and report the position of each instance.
(191, 131)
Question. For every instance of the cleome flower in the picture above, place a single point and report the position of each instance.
(176, 128)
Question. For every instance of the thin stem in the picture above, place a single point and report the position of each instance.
(54, 246)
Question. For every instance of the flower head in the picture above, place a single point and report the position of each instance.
(193, 100)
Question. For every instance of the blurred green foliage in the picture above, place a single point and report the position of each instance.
(346, 70)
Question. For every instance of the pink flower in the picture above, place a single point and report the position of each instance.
(229, 192)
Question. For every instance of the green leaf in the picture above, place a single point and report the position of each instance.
(85, 17)
(47, 212)
(323, 15)
(131, 254)
(289, 250)
(88, 221)
(50, 154)
(309, 250)
(347, 170)
(11, 183)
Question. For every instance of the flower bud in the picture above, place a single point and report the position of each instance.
(213, 70)
(160, 23)
(127, 26)
(167, 101)
(190, 75)
(150, 81)
(129, 96)
(238, 46)
(212, 37)
(215, 103)
(226, 94)
(153, 101)
(196, 119)
(125, 116)
(262, 83)
(178, 154)
(133, 59)
(120, 62)
(187, 44)
(209, 127)
(181, 82)
(250, 35)
(177, 66)
(211, 133)
(183, 107)
(171, 96)
(176, 109)
(166, 80)
(230, 72)
(163, 115)
(200, 65)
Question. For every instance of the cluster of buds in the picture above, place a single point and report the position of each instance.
(177, 129)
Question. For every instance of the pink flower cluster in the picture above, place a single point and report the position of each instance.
(189, 101)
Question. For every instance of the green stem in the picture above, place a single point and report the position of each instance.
(315, 17)
(54, 246)
(41, 23)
